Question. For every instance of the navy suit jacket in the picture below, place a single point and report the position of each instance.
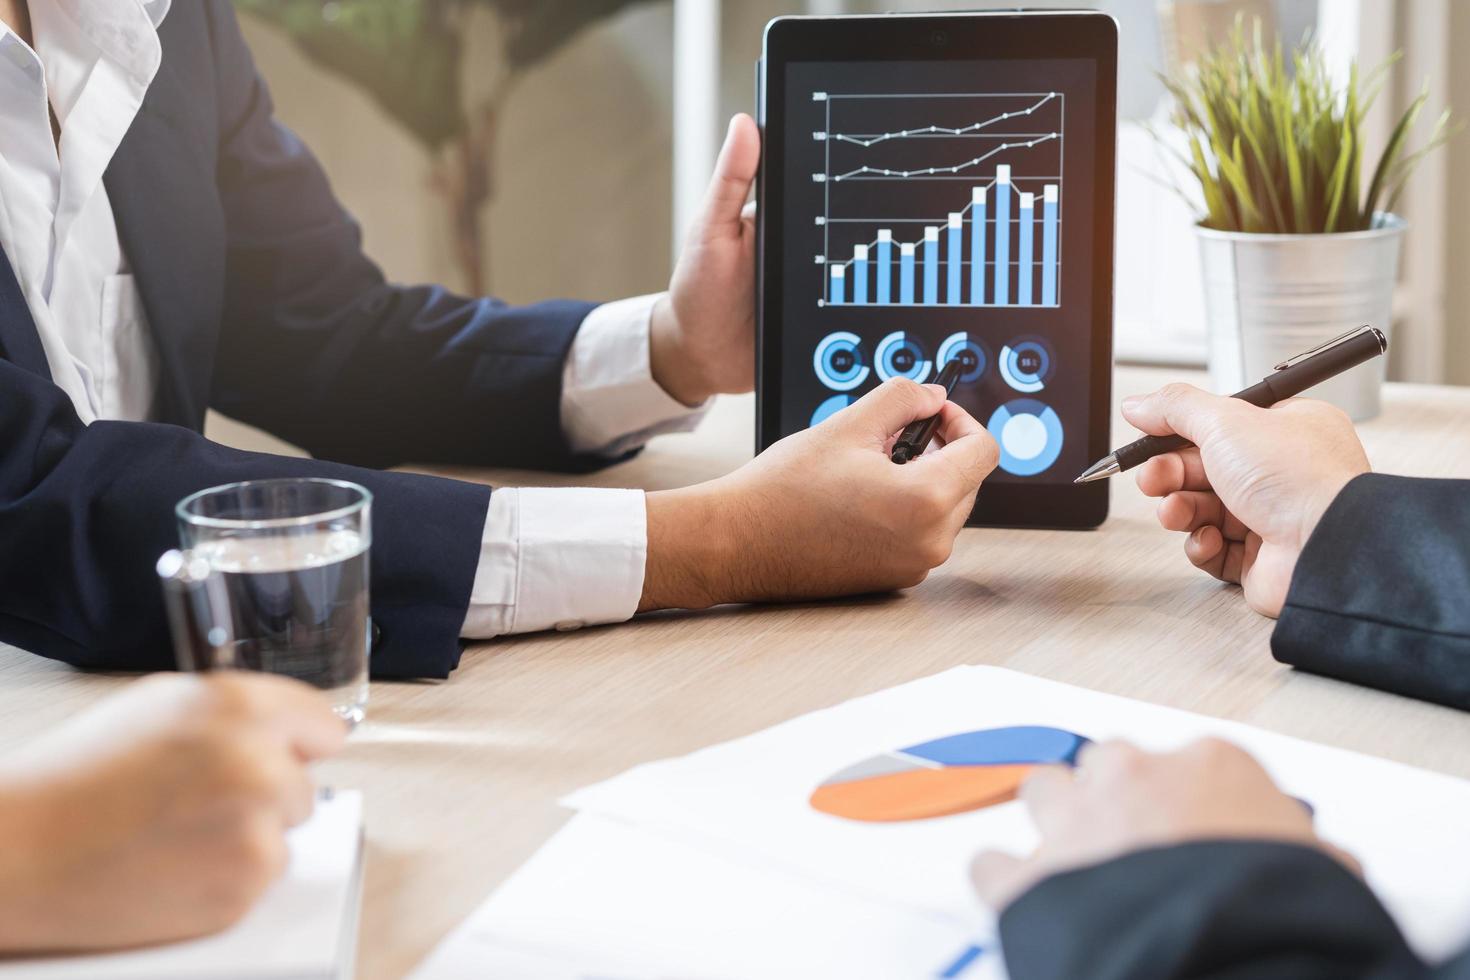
(262, 305)
(1217, 909)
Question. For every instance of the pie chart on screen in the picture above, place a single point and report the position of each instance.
(956, 774)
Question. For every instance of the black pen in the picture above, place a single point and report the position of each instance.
(916, 435)
(1293, 376)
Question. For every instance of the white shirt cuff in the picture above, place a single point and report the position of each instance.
(610, 402)
(558, 559)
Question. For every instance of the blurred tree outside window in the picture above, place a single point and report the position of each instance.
(407, 56)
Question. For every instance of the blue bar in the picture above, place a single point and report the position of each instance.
(1002, 235)
(962, 962)
(906, 273)
(956, 261)
(931, 266)
(1026, 253)
(977, 246)
(1049, 246)
(839, 283)
(885, 267)
(860, 275)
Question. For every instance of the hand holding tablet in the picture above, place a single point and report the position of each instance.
(937, 189)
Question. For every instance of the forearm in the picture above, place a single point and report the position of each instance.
(85, 511)
(1222, 909)
(1378, 595)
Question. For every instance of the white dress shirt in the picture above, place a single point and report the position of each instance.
(549, 557)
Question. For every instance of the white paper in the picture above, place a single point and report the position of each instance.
(749, 796)
(607, 900)
(303, 927)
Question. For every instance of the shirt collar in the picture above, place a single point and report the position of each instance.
(126, 31)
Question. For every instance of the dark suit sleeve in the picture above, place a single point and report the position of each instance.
(318, 349)
(1222, 910)
(1379, 596)
(85, 511)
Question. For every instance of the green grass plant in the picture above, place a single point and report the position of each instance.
(1280, 150)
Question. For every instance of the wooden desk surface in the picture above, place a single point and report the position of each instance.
(462, 777)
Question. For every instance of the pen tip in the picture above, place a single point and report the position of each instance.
(1101, 470)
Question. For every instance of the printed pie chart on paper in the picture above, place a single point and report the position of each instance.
(956, 774)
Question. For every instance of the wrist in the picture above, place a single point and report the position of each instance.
(1319, 502)
(689, 549)
(670, 363)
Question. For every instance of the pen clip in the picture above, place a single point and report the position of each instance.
(1327, 345)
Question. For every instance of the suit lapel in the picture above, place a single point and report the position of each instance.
(162, 185)
(19, 338)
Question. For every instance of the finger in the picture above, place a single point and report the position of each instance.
(724, 202)
(297, 795)
(997, 877)
(301, 715)
(1205, 549)
(1050, 794)
(1238, 557)
(1180, 470)
(1187, 510)
(272, 777)
(1182, 409)
(889, 407)
(1098, 761)
(967, 450)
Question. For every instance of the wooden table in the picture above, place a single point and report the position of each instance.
(462, 777)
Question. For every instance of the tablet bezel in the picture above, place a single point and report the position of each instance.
(964, 37)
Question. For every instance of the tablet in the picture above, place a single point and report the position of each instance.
(936, 187)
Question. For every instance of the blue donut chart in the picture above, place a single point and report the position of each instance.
(894, 351)
(1029, 434)
(1026, 364)
(831, 407)
(838, 361)
(959, 345)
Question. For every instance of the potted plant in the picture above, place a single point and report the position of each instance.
(1296, 247)
(406, 55)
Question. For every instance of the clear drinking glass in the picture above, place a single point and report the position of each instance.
(274, 577)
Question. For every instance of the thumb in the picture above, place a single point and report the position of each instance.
(730, 185)
(889, 407)
(1182, 409)
(997, 877)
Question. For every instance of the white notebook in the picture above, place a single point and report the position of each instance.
(303, 928)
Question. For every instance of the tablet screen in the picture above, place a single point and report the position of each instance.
(936, 210)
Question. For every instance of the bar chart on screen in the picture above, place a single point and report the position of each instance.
(940, 199)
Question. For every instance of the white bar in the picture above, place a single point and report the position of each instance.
(931, 234)
(838, 271)
(1003, 173)
(906, 248)
(696, 107)
(977, 195)
(1049, 193)
(1026, 201)
(955, 219)
(860, 252)
(885, 235)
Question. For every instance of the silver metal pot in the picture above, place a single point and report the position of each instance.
(1268, 297)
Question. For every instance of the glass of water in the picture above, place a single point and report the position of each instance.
(274, 577)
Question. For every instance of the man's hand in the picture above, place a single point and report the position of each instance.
(1253, 491)
(823, 512)
(702, 334)
(158, 815)
(1120, 799)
